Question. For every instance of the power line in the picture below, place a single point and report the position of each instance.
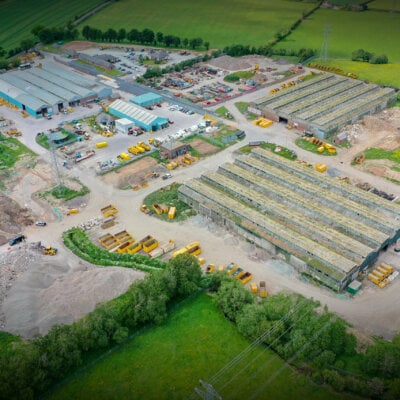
(253, 360)
(231, 364)
(291, 359)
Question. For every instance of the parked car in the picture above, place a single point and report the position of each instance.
(166, 176)
(16, 239)
(40, 223)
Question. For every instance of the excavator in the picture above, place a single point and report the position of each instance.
(48, 250)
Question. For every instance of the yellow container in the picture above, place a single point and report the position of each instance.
(125, 156)
(171, 212)
(100, 145)
(253, 287)
(150, 245)
(321, 167)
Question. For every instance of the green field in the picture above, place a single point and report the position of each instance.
(382, 74)
(18, 17)
(387, 5)
(375, 31)
(195, 343)
(251, 22)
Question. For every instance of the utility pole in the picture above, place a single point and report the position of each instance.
(207, 392)
(54, 162)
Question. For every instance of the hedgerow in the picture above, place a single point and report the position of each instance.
(78, 242)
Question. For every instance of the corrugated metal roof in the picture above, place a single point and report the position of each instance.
(144, 98)
(57, 80)
(68, 75)
(31, 89)
(133, 112)
(50, 87)
(31, 102)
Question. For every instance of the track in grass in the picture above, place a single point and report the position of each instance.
(167, 362)
(221, 23)
(19, 17)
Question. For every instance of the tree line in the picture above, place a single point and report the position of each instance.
(144, 37)
(28, 368)
(312, 339)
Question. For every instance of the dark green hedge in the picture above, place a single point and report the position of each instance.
(78, 242)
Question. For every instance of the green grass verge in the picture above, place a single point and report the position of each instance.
(242, 107)
(373, 153)
(11, 150)
(19, 17)
(63, 192)
(284, 152)
(303, 144)
(377, 32)
(195, 343)
(77, 241)
(222, 113)
(168, 195)
(215, 22)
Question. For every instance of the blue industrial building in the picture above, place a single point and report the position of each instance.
(48, 90)
(146, 99)
(141, 117)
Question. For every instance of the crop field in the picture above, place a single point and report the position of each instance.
(381, 74)
(251, 22)
(387, 5)
(195, 343)
(375, 31)
(18, 17)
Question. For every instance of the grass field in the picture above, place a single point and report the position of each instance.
(375, 31)
(18, 17)
(251, 22)
(387, 5)
(384, 74)
(195, 343)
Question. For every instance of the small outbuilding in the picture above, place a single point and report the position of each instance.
(123, 125)
(146, 100)
(173, 149)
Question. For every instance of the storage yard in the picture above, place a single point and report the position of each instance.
(99, 145)
(267, 199)
(324, 104)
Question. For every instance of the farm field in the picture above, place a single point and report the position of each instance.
(375, 31)
(195, 343)
(213, 22)
(381, 74)
(18, 17)
(388, 5)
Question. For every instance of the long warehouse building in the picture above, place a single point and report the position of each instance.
(326, 228)
(324, 104)
(48, 90)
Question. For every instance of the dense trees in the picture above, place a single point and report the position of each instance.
(28, 368)
(366, 56)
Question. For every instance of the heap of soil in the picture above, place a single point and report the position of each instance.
(13, 218)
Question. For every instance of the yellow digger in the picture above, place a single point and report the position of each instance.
(49, 251)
